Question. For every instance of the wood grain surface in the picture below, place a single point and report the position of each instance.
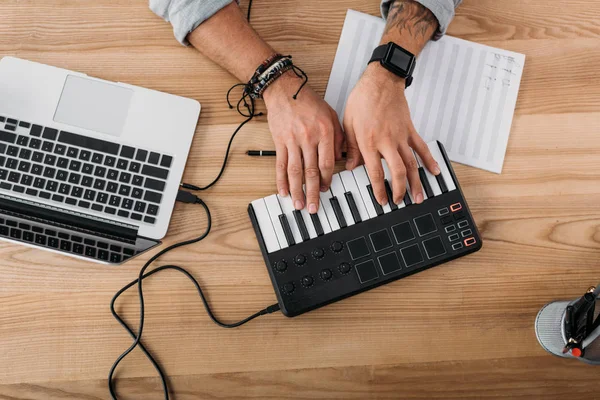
(462, 330)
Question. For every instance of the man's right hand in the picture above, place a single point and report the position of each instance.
(308, 139)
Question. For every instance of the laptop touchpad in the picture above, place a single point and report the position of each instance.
(94, 105)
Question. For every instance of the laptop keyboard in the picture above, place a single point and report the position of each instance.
(63, 241)
(82, 172)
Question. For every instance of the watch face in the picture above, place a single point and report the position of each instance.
(400, 59)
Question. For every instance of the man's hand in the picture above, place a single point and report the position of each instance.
(308, 139)
(377, 118)
(378, 124)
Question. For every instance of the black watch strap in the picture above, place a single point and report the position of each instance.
(379, 54)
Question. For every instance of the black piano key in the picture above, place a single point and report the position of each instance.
(378, 208)
(301, 225)
(88, 142)
(442, 183)
(425, 183)
(390, 195)
(337, 210)
(407, 200)
(317, 224)
(353, 208)
(287, 231)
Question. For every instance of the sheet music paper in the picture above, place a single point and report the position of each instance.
(463, 94)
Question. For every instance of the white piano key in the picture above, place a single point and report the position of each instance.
(274, 212)
(265, 225)
(338, 190)
(328, 210)
(435, 186)
(362, 181)
(437, 154)
(351, 186)
(287, 206)
(388, 176)
(307, 221)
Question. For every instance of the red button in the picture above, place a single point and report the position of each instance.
(469, 241)
(455, 207)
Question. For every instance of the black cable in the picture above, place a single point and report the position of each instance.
(186, 198)
(249, 8)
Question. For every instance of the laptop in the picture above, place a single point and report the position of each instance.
(88, 168)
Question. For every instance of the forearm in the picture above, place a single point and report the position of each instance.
(227, 39)
(409, 25)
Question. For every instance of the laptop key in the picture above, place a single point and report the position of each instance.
(152, 209)
(24, 154)
(14, 176)
(18, 189)
(102, 198)
(72, 152)
(76, 192)
(7, 137)
(31, 192)
(22, 140)
(88, 142)
(89, 195)
(137, 193)
(51, 186)
(113, 174)
(97, 158)
(35, 143)
(45, 195)
(71, 201)
(137, 180)
(96, 207)
(75, 165)
(12, 151)
(74, 178)
(127, 204)
(136, 217)
(11, 163)
(60, 149)
(50, 159)
(123, 213)
(62, 175)
(127, 152)
(110, 161)
(39, 183)
(135, 167)
(87, 181)
(166, 161)
(100, 172)
(154, 157)
(26, 180)
(99, 184)
(58, 198)
(85, 155)
(141, 155)
(124, 190)
(36, 131)
(112, 187)
(50, 133)
(87, 168)
(62, 162)
(154, 184)
(47, 146)
(64, 188)
(149, 220)
(155, 172)
(153, 197)
(115, 201)
(125, 177)
(122, 164)
(83, 204)
(109, 210)
(140, 206)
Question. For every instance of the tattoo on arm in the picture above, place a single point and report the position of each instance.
(408, 15)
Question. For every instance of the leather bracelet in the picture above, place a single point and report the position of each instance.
(270, 75)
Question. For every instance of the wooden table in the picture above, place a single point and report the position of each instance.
(462, 330)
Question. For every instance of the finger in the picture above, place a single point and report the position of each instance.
(398, 171)
(376, 176)
(281, 170)
(326, 153)
(421, 148)
(412, 171)
(311, 176)
(338, 135)
(353, 156)
(294, 171)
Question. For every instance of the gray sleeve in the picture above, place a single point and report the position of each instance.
(442, 9)
(186, 15)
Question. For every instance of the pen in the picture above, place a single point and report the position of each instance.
(270, 153)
